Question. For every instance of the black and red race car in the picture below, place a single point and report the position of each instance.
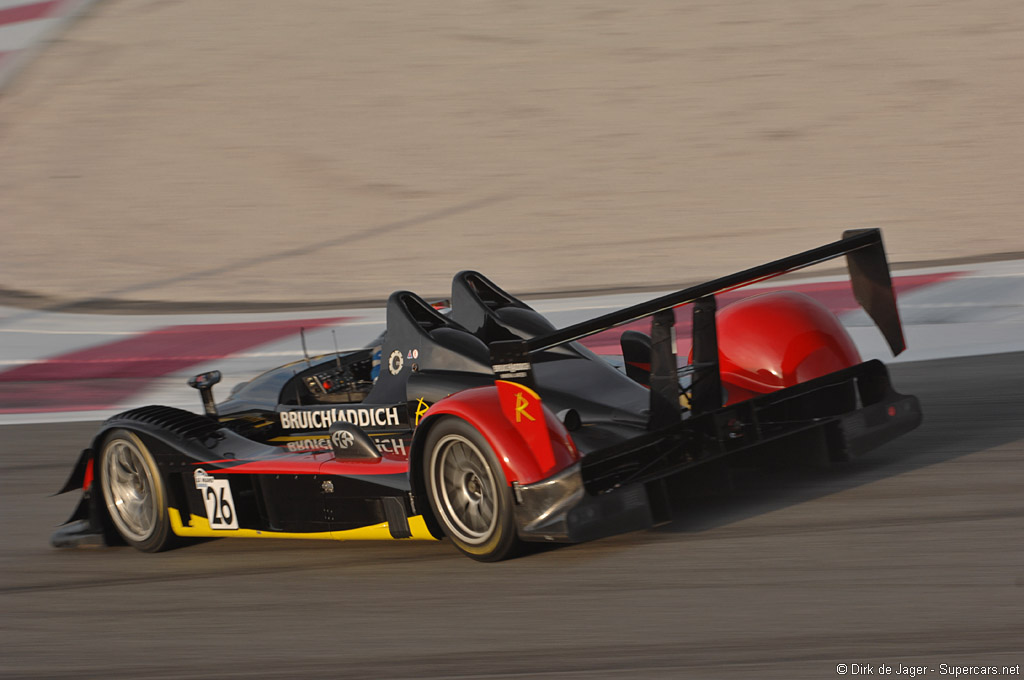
(486, 425)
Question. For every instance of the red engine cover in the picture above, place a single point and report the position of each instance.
(776, 340)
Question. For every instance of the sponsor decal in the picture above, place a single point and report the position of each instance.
(307, 445)
(523, 409)
(421, 408)
(342, 439)
(395, 362)
(392, 446)
(384, 416)
(522, 403)
(220, 506)
(203, 480)
(514, 370)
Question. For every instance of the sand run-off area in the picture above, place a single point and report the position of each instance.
(248, 150)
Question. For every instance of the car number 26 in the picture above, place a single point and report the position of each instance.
(220, 506)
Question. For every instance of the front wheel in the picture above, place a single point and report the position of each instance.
(468, 492)
(134, 492)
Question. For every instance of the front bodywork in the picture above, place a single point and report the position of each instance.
(221, 483)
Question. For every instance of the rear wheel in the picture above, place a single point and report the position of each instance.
(134, 492)
(468, 492)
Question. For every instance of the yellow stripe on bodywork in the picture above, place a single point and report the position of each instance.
(200, 528)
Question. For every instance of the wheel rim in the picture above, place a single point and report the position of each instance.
(464, 489)
(129, 490)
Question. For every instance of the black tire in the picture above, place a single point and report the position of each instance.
(468, 492)
(134, 492)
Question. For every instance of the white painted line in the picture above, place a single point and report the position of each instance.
(979, 312)
(8, 4)
(22, 41)
(24, 34)
(42, 331)
(292, 354)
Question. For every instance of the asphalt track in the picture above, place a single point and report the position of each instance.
(913, 555)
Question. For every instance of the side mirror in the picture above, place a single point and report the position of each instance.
(204, 382)
(348, 441)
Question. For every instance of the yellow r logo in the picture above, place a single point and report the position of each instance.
(421, 408)
(521, 404)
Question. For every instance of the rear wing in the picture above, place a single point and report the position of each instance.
(872, 288)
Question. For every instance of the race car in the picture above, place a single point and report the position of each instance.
(484, 424)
